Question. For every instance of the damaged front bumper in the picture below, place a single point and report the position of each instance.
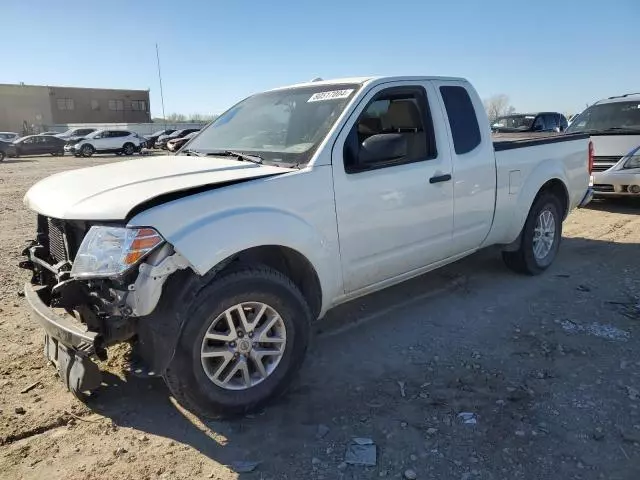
(67, 345)
(82, 317)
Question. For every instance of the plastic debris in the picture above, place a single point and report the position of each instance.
(468, 417)
(401, 385)
(362, 451)
(608, 332)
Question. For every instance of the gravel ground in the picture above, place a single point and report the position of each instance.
(467, 373)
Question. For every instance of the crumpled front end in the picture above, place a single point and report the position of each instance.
(83, 315)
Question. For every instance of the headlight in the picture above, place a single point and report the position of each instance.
(110, 251)
(632, 162)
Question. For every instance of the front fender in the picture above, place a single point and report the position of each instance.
(211, 239)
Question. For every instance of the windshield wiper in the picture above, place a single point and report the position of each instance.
(239, 155)
(190, 151)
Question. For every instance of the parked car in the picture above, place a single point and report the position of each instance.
(162, 140)
(175, 144)
(530, 122)
(76, 133)
(7, 149)
(309, 196)
(8, 136)
(39, 145)
(106, 141)
(153, 138)
(614, 126)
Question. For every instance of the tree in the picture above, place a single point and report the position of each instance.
(176, 118)
(199, 117)
(498, 106)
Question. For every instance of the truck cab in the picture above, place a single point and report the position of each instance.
(215, 262)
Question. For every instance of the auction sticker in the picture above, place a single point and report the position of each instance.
(330, 95)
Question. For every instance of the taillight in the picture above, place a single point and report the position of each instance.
(590, 157)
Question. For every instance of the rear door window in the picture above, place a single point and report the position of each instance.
(463, 121)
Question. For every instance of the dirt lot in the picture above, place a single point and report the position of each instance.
(547, 369)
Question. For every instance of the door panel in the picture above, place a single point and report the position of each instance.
(104, 142)
(29, 147)
(392, 220)
(474, 171)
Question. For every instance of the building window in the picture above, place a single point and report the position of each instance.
(117, 105)
(95, 105)
(139, 105)
(65, 103)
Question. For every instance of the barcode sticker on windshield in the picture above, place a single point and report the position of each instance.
(331, 95)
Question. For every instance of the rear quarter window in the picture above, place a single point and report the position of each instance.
(462, 119)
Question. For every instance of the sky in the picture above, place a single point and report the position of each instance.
(545, 55)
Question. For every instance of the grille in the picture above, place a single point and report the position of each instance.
(600, 164)
(601, 187)
(57, 248)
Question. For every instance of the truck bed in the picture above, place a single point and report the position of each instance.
(508, 141)
(523, 162)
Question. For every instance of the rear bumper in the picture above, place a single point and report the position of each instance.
(588, 196)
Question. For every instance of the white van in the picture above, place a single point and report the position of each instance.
(614, 126)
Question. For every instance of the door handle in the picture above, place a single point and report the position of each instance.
(440, 178)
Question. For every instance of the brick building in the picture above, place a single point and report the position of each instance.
(37, 106)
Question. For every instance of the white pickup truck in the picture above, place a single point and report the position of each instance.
(215, 261)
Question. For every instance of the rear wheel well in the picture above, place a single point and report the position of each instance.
(557, 188)
(289, 262)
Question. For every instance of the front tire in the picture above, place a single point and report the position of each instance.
(87, 150)
(2, 156)
(128, 149)
(539, 239)
(244, 338)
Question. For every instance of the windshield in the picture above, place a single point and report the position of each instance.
(518, 122)
(283, 126)
(7, 136)
(623, 115)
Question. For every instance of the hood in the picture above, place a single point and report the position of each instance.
(614, 145)
(110, 192)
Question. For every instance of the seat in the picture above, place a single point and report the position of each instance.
(404, 117)
(368, 126)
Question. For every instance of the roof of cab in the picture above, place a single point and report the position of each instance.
(365, 80)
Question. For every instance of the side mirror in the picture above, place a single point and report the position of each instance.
(382, 147)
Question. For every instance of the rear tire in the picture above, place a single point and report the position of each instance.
(2, 156)
(538, 245)
(193, 378)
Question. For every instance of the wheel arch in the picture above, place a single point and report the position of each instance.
(557, 187)
(548, 176)
(287, 261)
